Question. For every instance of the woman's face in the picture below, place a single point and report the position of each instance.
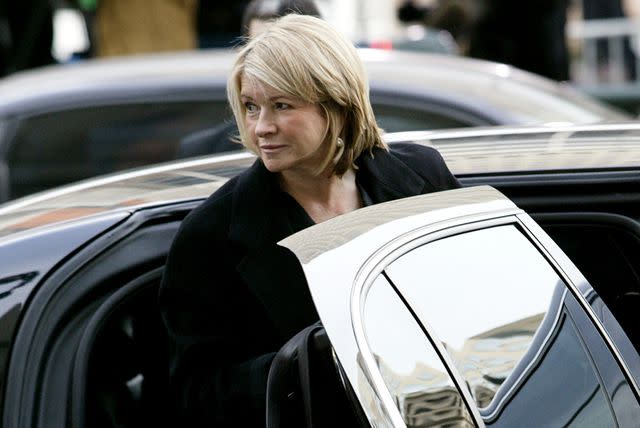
(288, 133)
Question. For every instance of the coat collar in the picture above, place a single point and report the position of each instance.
(259, 217)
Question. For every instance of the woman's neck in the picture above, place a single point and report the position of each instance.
(323, 197)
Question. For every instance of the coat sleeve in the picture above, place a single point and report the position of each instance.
(220, 360)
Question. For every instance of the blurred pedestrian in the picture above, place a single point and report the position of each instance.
(444, 26)
(219, 22)
(410, 12)
(260, 13)
(26, 35)
(125, 27)
(457, 18)
(526, 34)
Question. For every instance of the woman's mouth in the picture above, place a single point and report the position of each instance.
(271, 148)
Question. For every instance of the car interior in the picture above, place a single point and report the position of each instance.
(111, 341)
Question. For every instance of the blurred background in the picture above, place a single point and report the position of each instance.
(591, 43)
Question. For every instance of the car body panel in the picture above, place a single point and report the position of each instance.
(84, 83)
(54, 322)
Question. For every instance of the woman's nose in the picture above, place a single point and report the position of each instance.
(265, 125)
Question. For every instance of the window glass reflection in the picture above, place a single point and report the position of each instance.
(564, 384)
(499, 309)
(64, 146)
(414, 374)
(485, 294)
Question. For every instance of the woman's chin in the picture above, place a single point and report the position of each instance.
(274, 165)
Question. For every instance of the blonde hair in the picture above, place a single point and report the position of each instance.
(304, 57)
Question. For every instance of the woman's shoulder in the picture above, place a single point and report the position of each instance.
(427, 162)
(414, 153)
(212, 216)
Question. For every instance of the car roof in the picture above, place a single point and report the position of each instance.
(458, 79)
(468, 152)
(96, 79)
(126, 191)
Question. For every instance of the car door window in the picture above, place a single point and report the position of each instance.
(497, 308)
(65, 146)
(419, 383)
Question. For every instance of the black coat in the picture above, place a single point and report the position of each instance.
(231, 297)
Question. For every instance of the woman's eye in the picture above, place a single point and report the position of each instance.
(282, 106)
(251, 107)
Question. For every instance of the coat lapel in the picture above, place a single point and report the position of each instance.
(257, 215)
(272, 273)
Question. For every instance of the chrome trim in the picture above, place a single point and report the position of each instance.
(395, 137)
(553, 253)
(113, 215)
(374, 266)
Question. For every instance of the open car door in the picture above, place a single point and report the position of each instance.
(456, 309)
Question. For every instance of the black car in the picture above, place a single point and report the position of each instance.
(530, 317)
(69, 122)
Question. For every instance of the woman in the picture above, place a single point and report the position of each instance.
(230, 295)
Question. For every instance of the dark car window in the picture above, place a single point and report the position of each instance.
(61, 147)
(398, 119)
(497, 307)
(564, 384)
